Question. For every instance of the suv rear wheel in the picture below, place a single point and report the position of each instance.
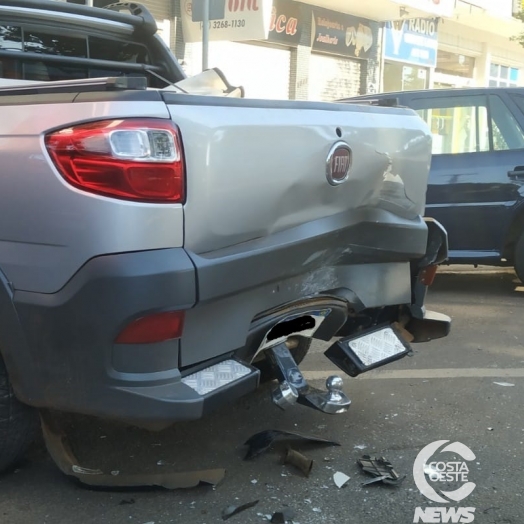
(18, 423)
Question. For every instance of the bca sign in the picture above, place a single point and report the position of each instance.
(243, 20)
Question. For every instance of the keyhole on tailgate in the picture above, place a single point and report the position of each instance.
(339, 132)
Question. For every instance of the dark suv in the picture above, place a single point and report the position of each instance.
(476, 183)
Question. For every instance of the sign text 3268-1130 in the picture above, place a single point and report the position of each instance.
(225, 24)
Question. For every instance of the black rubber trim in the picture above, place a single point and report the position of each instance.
(8, 99)
(198, 100)
(119, 96)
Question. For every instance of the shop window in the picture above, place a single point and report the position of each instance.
(470, 124)
(455, 64)
(503, 76)
(402, 77)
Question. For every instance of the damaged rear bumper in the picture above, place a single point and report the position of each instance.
(68, 361)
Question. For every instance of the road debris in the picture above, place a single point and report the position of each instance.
(340, 479)
(298, 460)
(505, 384)
(60, 451)
(283, 517)
(262, 441)
(381, 469)
(85, 471)
(230, 511)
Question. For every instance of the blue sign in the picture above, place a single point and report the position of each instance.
(413, 41)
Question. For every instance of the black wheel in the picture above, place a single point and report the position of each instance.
(18, 424)
(519, 258)
(299, 353)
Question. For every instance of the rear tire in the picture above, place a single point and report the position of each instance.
(519, 258)
(18, 424)
(299, 353)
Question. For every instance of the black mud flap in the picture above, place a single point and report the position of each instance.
(427, 325)
(433, 326)
(369, 349)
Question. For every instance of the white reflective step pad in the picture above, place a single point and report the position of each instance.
(214, 377)
(377, 346)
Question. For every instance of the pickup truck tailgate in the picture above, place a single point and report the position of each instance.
(255, 168)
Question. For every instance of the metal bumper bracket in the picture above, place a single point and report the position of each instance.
(293, 387)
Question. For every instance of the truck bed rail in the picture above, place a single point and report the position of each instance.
(77, 86)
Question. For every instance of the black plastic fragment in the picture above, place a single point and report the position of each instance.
(262, 441)
(230, 511)
(283, 517)
(381, 469)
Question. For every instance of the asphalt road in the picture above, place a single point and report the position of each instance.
(447, 391)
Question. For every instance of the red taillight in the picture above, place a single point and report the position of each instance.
(153, 328)
(136, 159)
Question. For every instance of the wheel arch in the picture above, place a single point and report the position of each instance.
(515, 229)
(12, 340)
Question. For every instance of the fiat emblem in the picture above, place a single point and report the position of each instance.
(338, 163)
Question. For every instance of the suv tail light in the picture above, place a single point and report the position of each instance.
(157, 327)
(135, 159)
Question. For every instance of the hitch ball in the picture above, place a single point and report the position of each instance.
(334, 383)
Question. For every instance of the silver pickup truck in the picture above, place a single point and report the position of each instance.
(164, 249)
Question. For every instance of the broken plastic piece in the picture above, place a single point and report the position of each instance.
(298, 460)
(340, 479)
(262, 441)
(228, 512)
(63, 456)
(381, 469)
(283, 517)
(85, 471)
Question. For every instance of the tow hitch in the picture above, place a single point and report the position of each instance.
(293, 387)
(354, 355)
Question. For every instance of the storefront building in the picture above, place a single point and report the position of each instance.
(287, 49)
(410, 53)
(309, 53)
